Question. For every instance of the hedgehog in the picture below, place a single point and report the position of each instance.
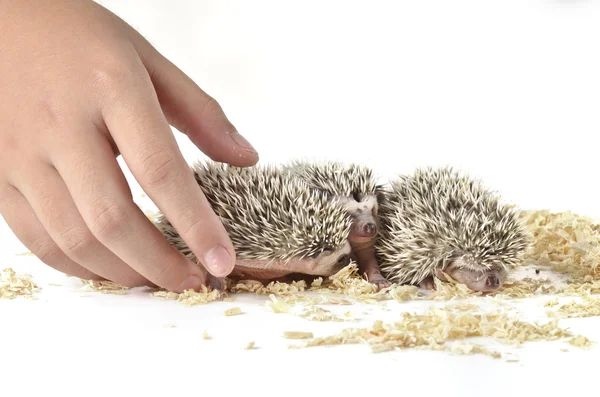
(356, 187)
(279, 227)
(440, 222)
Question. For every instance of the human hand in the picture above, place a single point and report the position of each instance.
(80, 87)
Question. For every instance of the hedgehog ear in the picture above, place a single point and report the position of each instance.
(380, 196)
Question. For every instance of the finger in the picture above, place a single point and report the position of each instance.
(101, 194)
(50, 200)
(192, 111)
(21, 219)
(148, 146)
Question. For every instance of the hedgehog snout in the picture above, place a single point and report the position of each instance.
(369, 228)
(492, 282)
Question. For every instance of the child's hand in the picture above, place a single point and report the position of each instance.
(79, 87)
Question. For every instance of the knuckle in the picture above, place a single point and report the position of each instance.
(164, 275)
(46, 250)
(159, 168)
(111, 72)
(211, 108)
(77, 241)
(111, 76)
(193, 227)
(49, 115)
(108, 219)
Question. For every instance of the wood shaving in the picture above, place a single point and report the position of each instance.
(205, 335)
(13, 285)
(581, 341)
(190, 297)
(234, 311)
(312, 313)
(250, 346)
(404, 293)
(106, 287)
(381, 348)
(277, 305)
(316, 313)
(170, 326)
(551, 302)
(526, 288)
(468, 348)
(450, 290)
(25, 254)
(317, 282)
(297, 335)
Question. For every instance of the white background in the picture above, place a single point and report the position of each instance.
(506, 90)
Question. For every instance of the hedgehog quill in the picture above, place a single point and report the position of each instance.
(439, 223)
(279, 227)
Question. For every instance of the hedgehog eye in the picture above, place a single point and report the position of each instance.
(321, 254)
(357, 196)
(344, 260)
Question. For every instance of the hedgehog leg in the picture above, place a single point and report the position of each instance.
(364, 255)
(427, 284)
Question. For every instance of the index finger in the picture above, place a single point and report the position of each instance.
(147, 144)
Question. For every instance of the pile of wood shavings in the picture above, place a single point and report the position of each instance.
(106, 287)
(274, 287)
(568, 243)
(438, 326)
(190, 297)
(13, 285)
(588, 307)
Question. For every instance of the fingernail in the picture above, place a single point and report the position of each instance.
(218, 261)
(242, 142)
(191, 282)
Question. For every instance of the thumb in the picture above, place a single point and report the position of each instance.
(194, 112)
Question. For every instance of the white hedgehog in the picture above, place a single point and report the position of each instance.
(439, 221)
(277, 224)
(356, 187)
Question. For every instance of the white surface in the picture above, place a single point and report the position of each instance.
(507, 90)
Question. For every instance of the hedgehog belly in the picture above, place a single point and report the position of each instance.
(257, 274)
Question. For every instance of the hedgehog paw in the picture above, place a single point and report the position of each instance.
(380, 282)
(427, 284)
(215, 283)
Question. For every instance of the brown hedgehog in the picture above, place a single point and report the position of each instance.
(357, 189)
(278, 226)
(439, 221)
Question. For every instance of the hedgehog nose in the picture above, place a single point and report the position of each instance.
(369, 228)
(492, 281)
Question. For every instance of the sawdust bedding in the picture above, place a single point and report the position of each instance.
(566, 247)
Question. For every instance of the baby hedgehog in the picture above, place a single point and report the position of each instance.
(354, 187)
(438, 221)
(278, 226)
